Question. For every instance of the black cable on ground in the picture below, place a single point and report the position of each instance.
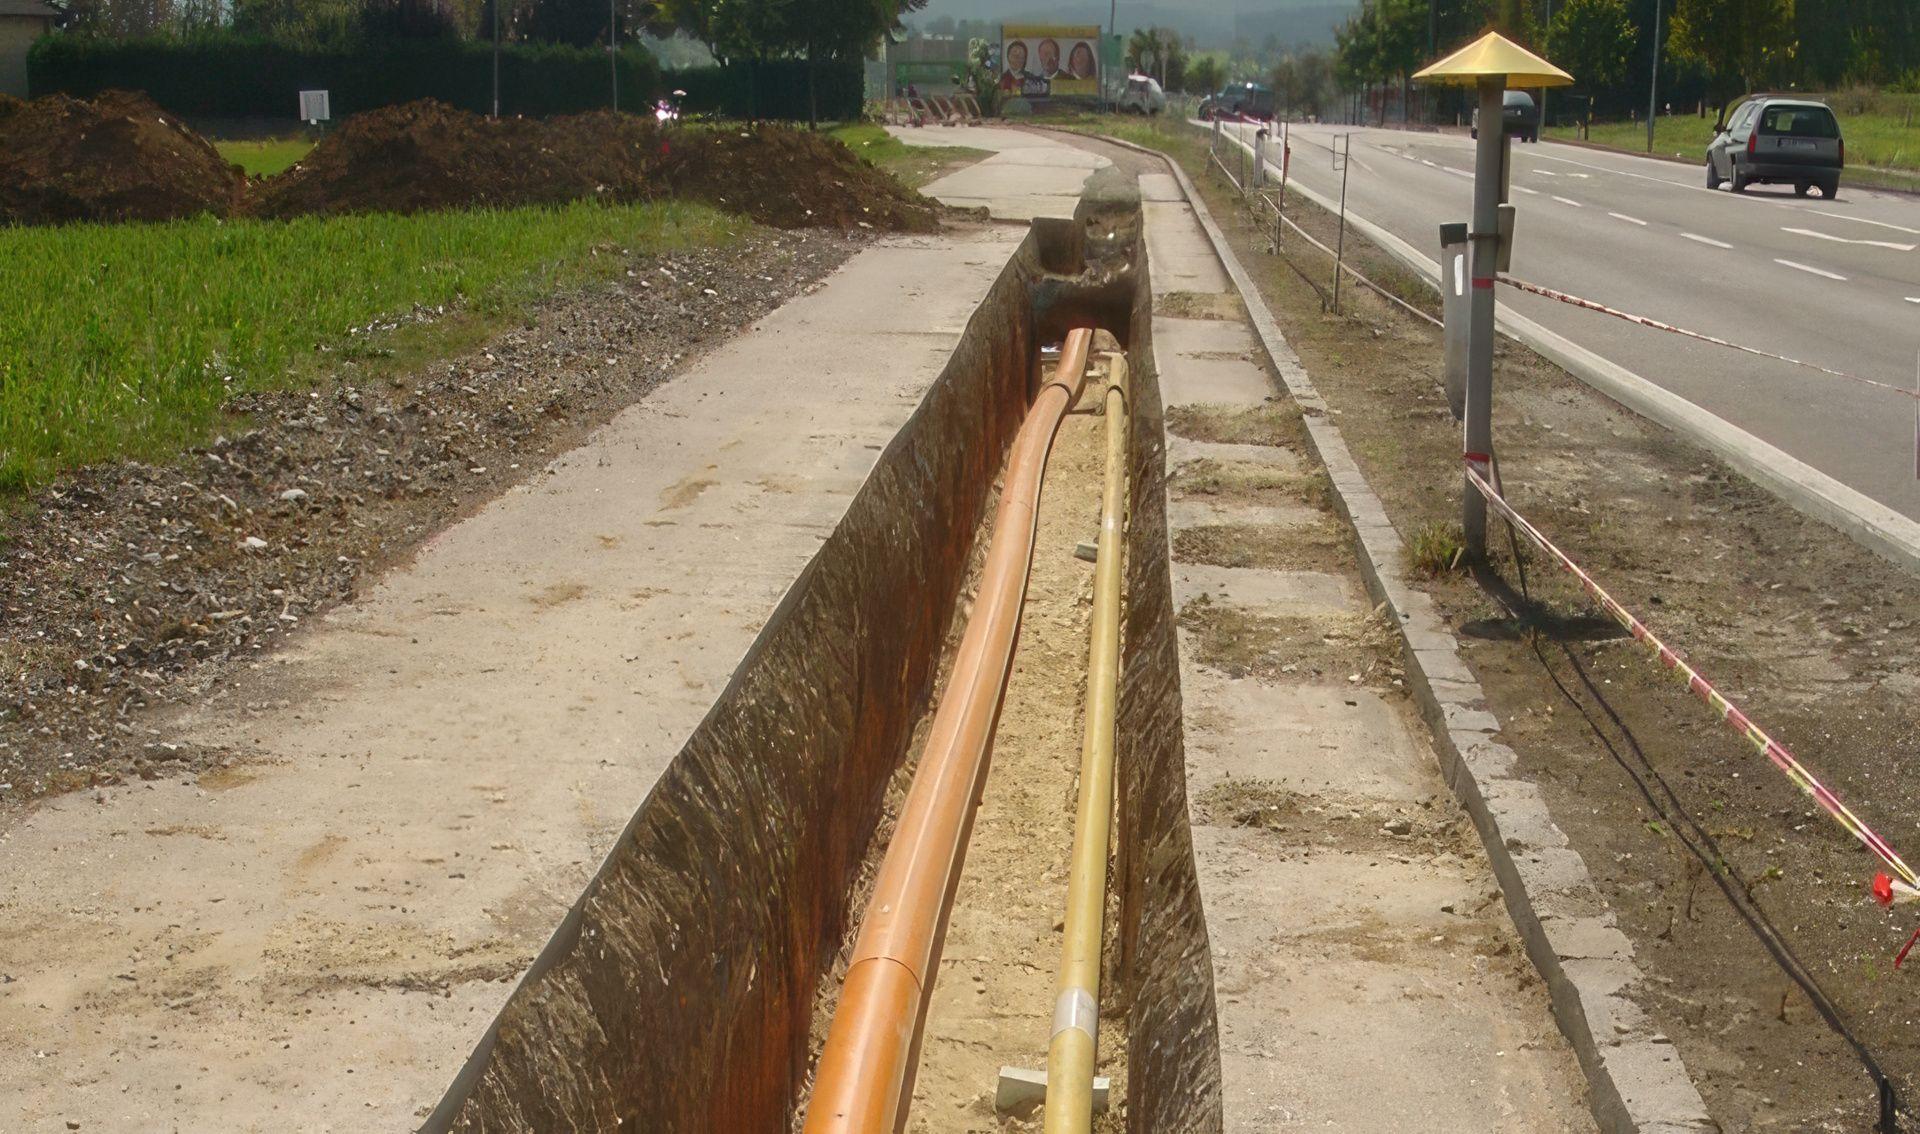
(1695, 838)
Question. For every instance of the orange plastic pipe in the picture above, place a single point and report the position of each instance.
(860, 1087)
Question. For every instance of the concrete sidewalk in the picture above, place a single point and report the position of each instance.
(1028, 176)
(315, 938)
(1366, 975)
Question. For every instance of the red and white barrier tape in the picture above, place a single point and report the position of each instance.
(1657, 325)
(1904, 888)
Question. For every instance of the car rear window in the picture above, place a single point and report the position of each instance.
(1519, 99)
(1799, 122)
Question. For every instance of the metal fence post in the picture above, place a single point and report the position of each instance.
(1340, 245)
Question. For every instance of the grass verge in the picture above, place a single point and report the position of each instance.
(265, 158)
(1882, 151)
(913, 165)
(125, 340)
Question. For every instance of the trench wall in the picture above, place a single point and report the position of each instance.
(1173, 1065)
(678, 993)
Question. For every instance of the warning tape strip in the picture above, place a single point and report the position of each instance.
(1477, 472)
(1657, 325)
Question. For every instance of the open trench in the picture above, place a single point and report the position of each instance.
(689, 987)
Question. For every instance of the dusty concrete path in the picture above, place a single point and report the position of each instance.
(1029, 175)
(1366, 975)
(314, 939)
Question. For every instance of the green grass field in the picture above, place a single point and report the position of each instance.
(913, 165)
(1881, 140)
(265, 158)
(125, 340)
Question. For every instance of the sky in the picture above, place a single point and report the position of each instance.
(1211, 23)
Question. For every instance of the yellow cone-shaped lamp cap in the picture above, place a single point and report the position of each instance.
(1495, 54)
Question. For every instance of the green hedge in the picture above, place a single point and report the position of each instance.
(232, 76)
(236, 76)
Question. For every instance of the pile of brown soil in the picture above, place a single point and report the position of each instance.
(117, 158)
(426, 155)
(790, 179)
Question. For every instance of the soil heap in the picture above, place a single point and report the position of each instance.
(789, 179)
(116, 158)
(426, 155)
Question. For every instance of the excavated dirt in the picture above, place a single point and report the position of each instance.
(120, 158)
(425, 155)
(1809, 633)
(116, 158)
(133, 585)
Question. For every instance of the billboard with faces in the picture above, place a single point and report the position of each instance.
(1050, 62)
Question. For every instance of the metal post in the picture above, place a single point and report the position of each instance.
(613, 49)
(496, 58)
(1485, 235)
(1340, 245)
(1653, 90)
(1454, 313)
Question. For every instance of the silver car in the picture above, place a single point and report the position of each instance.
(1778, 141)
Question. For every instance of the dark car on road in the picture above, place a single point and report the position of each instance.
(1519, 117)
(1239, 100)
(1778, 141)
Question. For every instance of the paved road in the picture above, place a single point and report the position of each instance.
(1835, 283)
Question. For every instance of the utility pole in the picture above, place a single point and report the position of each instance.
(1653, 91)
(496, 57)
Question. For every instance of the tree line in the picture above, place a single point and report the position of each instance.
(1712, 51)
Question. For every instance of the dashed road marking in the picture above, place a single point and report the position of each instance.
(1546, 173)
(1568, 201)
(1848, 240)
(1812, 270)
(1527, 191)
(1458, 172)
(1913, 299)
(1628, 219)
(1698, 239)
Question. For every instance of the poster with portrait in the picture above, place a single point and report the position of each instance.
(1041, 61)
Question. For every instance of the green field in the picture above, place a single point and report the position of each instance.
(125, 340)
(264, 158)
(1879, 139)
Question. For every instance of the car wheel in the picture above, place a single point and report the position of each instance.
(1713, 175)
(1739, 180)
(1474, 133)
(1800, 188)
(1830, 190)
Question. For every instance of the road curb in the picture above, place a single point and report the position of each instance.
(1873, 525)
(1637, 1081)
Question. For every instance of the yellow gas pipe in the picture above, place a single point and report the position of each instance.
(1076, 1015)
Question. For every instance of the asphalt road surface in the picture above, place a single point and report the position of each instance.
(1836, 283)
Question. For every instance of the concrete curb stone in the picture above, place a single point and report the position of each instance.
(1637, 1081)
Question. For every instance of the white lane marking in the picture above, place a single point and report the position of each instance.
(1568, 201)
(1580, 175)
(1847, 240)
(1628, 219)
(1546, 173)
(1527, 191)
(1913, 299)
(1814, 271)
(1864, 220)
(1429, 164)
(1458, 172)
(1698, 239)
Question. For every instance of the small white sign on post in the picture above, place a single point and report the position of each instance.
(315, 107)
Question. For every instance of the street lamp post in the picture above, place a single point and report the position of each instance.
(1653, 88)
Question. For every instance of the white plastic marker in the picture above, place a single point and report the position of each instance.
(1698, 239)
(1848, 240)
(1815, 271)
